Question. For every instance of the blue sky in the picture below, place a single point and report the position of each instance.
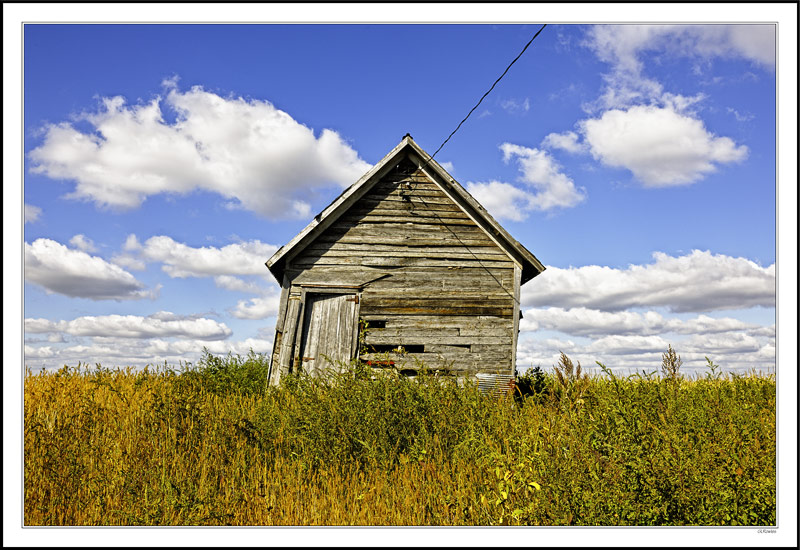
(161, 165)
(165, 163)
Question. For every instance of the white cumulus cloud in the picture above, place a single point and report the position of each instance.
(628, 354)
(82, 242)
(40, 352)
(180, 260)
(502, 200)
(725, 343)
(257, 308)
(660, 146)
(540, 172)
(123, 352)
(581, 321)
(697, 282)
(62, 270)
(252, 154)
(636, 124)
(623, 45)
(627, 345)
(162, 324)
(568, 141)
(237, 284)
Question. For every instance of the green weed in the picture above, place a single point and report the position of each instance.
(212, 444)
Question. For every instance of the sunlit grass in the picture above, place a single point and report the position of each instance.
(213, 445)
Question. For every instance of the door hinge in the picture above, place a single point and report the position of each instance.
(308, 358)
(354, 299)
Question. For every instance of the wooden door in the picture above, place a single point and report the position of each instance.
(330, 326)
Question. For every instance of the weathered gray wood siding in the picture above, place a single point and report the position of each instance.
(440, 286)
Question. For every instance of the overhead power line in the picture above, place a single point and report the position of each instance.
(487, 93)
(448, 139)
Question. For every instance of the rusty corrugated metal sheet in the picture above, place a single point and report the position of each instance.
(495, 384)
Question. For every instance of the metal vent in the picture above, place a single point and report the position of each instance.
(495, 385)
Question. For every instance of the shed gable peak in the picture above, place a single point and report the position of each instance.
(407, 167)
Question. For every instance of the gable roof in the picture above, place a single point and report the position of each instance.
(531, 266)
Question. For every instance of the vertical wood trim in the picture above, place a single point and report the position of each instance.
(288, 339)
(294, 358)
(515, 335)
(284, 298)
(354, 350)
(274, 369)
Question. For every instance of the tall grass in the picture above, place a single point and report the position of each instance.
(213, 445)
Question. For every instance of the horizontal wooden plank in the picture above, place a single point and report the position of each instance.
(427, 219)
(396, 258)
(406, 169)
(450, 261)
(389, 239)
(375, 253)
(422, 195)
(378, 248)
(335, 277)
(413, 229)
(393, 236)
(417, 333)
(409, 332)
(407, 201)
(444, 274)
(417, 184)
(376, 338)
(442, 286)
(474, 274)
(415, 212)
(437, 310)
(433, 287)
(466, 301)
(433, 201)
(393, 200)
(497, 296)
(504, 331)
(483, 362)
(441, 281)
(425, 322)
(398, 202)
(487, 348)
(443, 348)
(466, 320)
(453, 263)
(402, 233)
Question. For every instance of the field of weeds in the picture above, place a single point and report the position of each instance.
(212, 445)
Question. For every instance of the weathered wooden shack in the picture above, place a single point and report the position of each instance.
(403, 267)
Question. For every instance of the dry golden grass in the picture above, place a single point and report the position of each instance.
(203, 448)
